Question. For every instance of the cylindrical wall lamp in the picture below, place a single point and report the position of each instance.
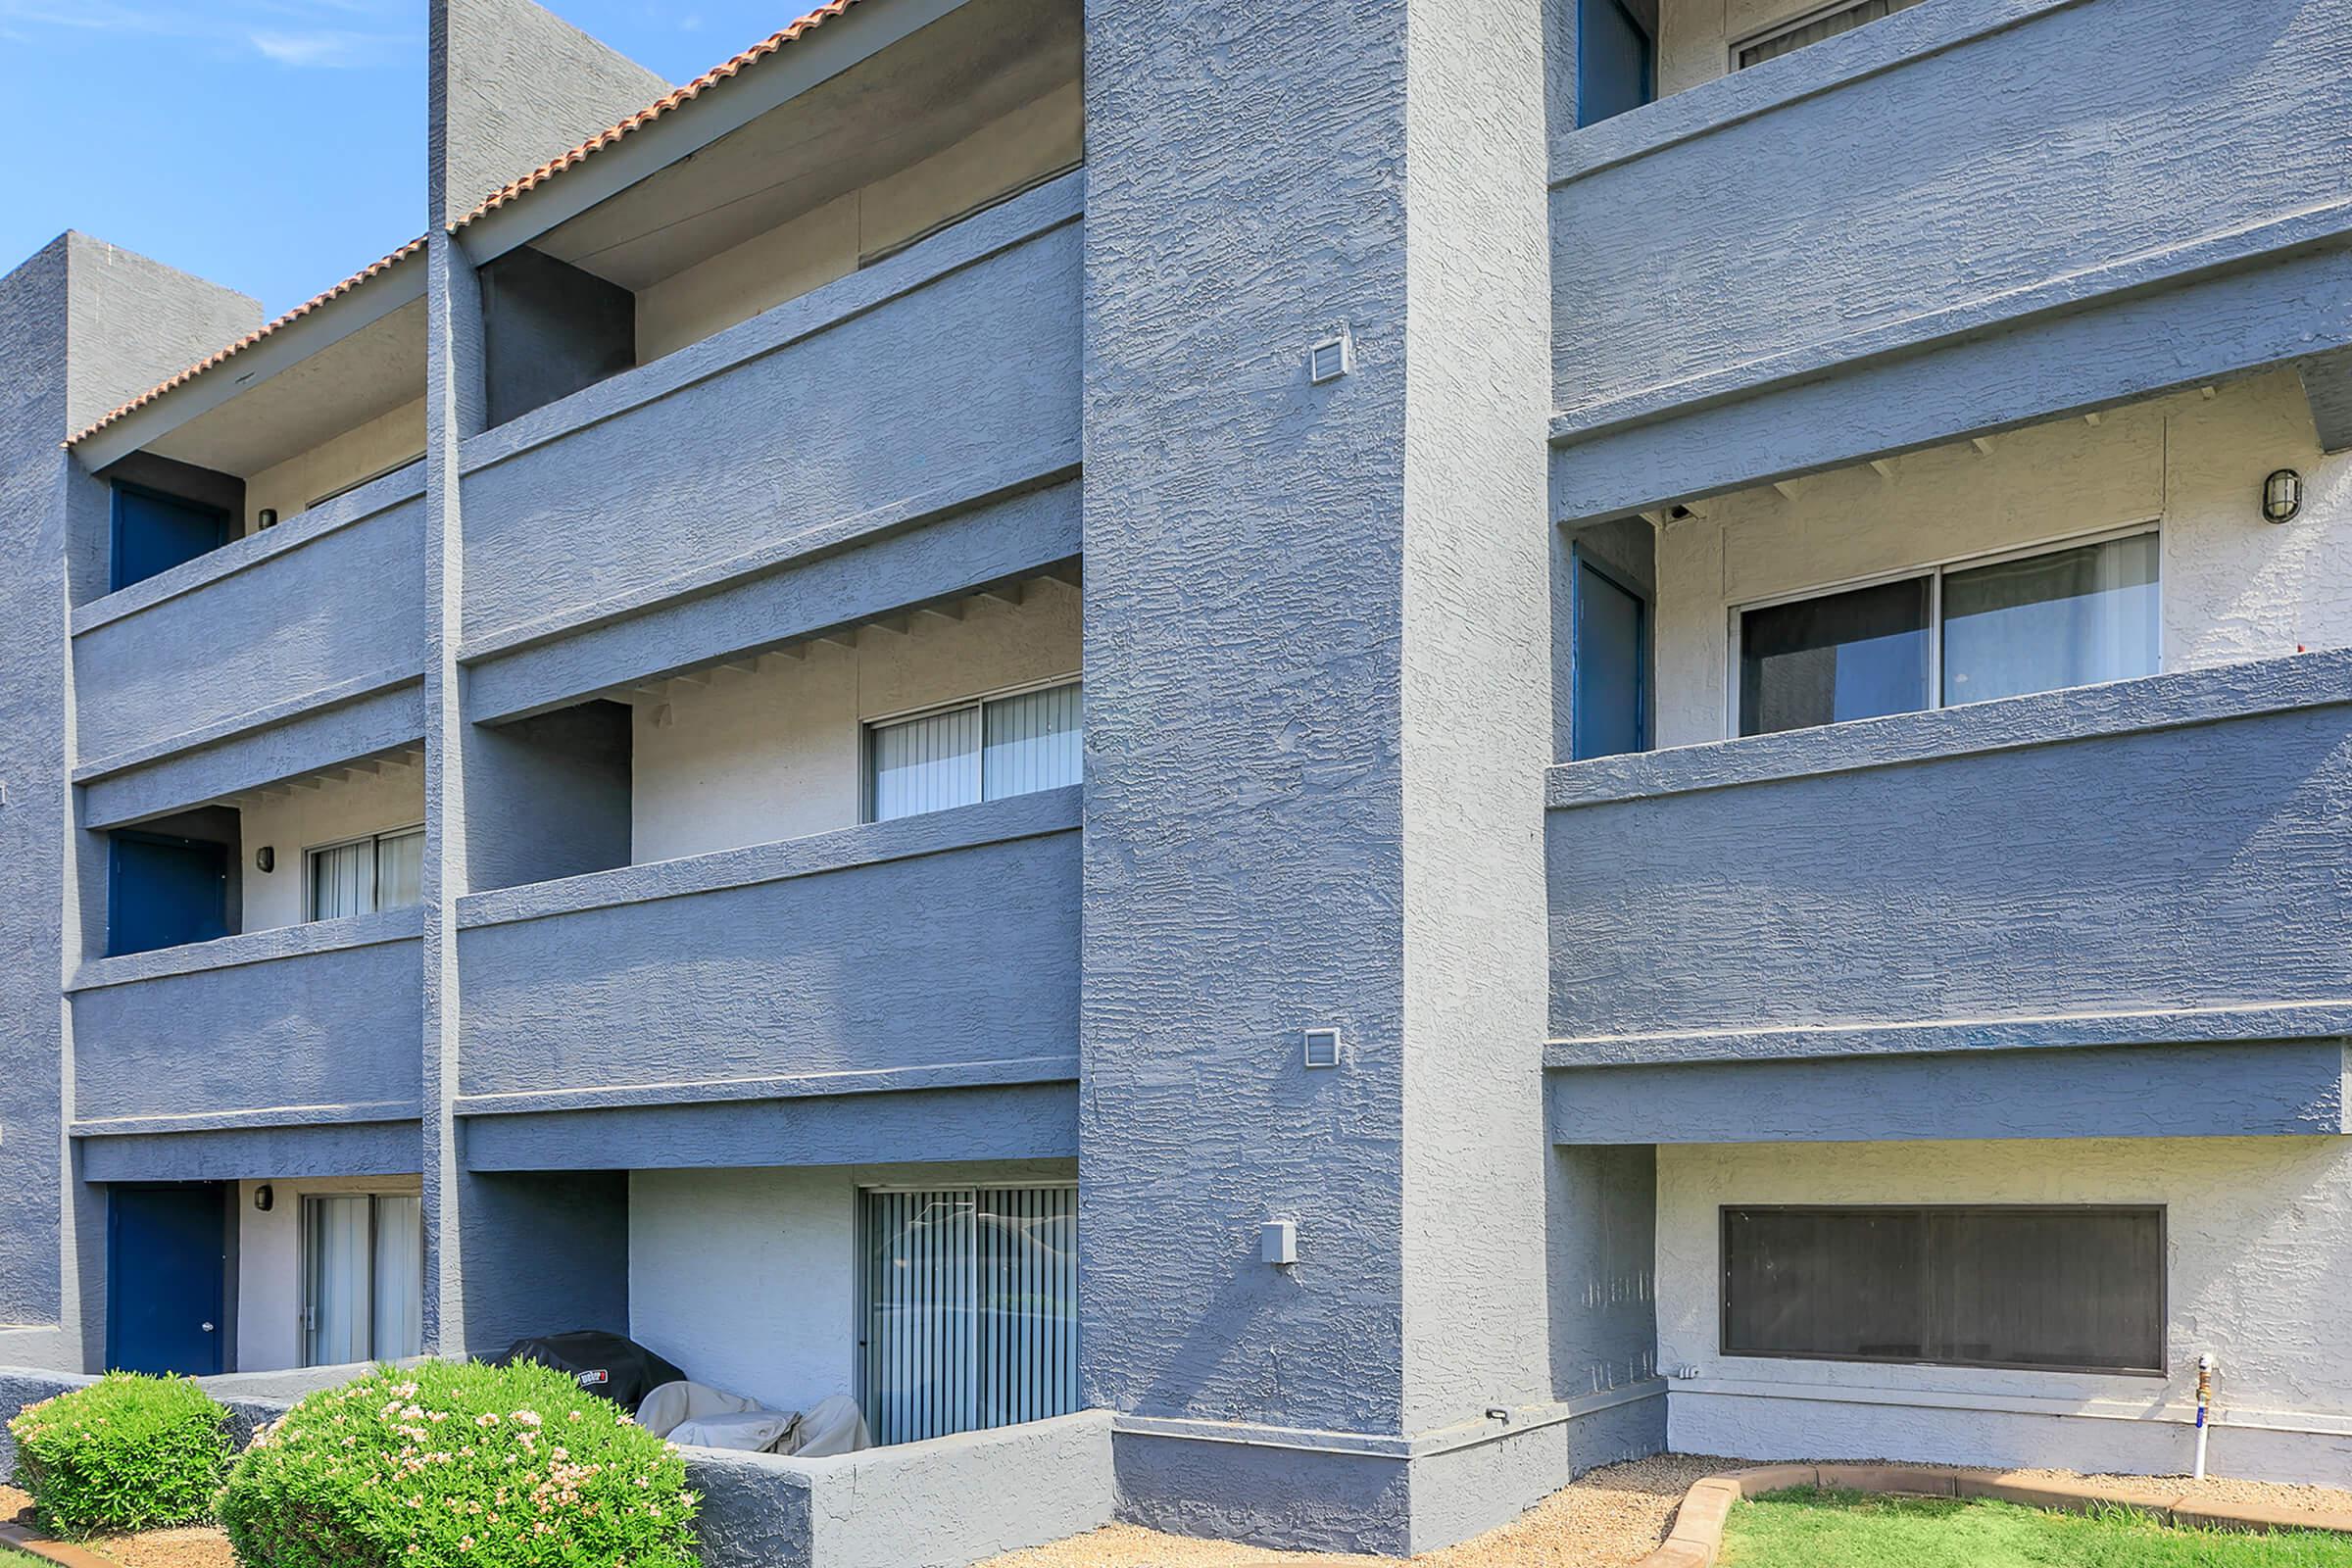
(2282, 496)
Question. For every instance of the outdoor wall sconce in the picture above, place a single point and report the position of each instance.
(268, 518)
(265, 859)
(2282, 496)
(265, 1197)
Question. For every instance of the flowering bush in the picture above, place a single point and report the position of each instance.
(127, 1452)
(453, 1462)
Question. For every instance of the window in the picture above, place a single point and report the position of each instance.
(1613, 61)
(970, 1309)
(979, 751)
(1813, 27)
(382, 872)
(1608, 701)
(1963, 633)
(363, 1277)
(2070, 1290)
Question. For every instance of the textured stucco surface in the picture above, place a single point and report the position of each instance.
(296, 624)
(280, 1020)
(937, 1505)
(2104, 874)
(968, 367)
(818, 971)
(2257, 1261)
(2012, 173)
(2258, 1088)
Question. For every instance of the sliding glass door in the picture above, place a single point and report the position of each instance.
(363, 1276)
(971, 1309)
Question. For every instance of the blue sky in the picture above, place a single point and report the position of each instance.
(272, 145)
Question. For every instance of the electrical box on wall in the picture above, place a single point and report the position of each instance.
(1278, 1243)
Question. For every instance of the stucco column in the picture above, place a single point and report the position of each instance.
(1318, 688)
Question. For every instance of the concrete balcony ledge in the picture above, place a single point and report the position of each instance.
(2117, 708)
(1900, 39)
(870, 844)
(949, 1500)
(356, 690)
(253, 946)
(377, 496)
(966, 244)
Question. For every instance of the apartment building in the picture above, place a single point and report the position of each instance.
(1420, 741)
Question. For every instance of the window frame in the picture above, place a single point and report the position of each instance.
(308, 1266)
(310, 875)
(1821, 13)
(2164, 1284)
(868, 726)
(1934, 571)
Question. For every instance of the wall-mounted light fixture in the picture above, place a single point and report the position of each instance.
(265, 859)
(2282, 496)
(267, 517)
(265, 1197)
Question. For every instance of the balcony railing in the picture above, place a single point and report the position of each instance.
(944, 374)
(327, 608)
(295, 1026)
(2151, 861)
(930, 952)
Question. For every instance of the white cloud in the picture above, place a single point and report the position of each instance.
(304, 34)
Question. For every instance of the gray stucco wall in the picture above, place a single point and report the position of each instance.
(322, 1016)
(82, 326)
(2167, 844)
(966, 354)
(937, 1505)
(1830, 237)
(785, 961)
(351, 569)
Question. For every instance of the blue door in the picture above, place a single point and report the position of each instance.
(1613, 61)
(166, 1276)
(163, 891)
(1609, 704)
(156, 532)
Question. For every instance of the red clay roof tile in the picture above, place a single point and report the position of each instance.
(656, 109)
(250, 339)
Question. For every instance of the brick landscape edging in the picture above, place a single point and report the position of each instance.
(1697, 1533)
(56, 1551)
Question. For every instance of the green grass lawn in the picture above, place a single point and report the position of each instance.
(1804, 1527)
(10, 1557)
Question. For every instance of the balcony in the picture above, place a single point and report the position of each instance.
(1955, 171)
(943, 375)
(2117, 909)
(925, 954)
(323, 611)
(304, 1026)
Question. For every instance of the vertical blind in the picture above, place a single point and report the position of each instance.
(363, 1281)
(984, 751)
(971, 1309)
(1842, 19)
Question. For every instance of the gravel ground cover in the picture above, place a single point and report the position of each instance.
(1609, 1518)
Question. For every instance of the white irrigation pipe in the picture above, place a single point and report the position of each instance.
(2204, 1408)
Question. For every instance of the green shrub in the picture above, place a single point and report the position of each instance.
(127, 1452)
(452, 1462)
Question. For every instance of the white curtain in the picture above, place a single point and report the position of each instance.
(399, 1278)
(338, 1280)
(1034, 742)
(343, 881)
(400, 869)
(2071, 617)
(926, 764)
